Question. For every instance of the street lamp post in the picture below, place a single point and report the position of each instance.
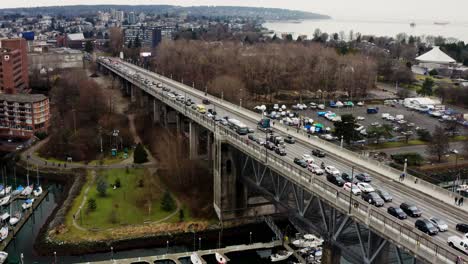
(112, 253)
(341, 144)
(199, 243)
(167, 246)
(250, 238)
(405, 167)
(351, 189)
(55, 257)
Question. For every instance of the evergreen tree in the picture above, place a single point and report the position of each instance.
(167, 202)
(92, 205)
(181, 215)
(346, 128)
(102, 187)
(140, 155)
(439, 145)
(426, 88)
(117, 183)
(89, 46)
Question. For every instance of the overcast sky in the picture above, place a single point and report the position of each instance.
(450, 10)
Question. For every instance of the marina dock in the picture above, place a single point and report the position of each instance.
(13, 230)
(176, 256)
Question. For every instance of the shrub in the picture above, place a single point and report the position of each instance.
(140, 155)
(433, 72)
(40, 135)
(102, 187)
(141, 183)
(167, 202)
(424, 135)
(117, 183)
(92, 205)
(413, 159)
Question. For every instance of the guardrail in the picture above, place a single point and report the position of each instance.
(394, 230)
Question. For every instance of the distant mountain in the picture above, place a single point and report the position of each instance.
(207, 11)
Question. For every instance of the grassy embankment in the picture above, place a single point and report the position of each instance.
(122, 213)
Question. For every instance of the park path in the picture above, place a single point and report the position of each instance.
(83, 202)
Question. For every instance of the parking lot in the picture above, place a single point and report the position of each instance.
(415, 118)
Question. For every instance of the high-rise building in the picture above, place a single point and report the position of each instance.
(148, 36)
(13, 66)
(119, 16)
(21, 115)
(132, 18)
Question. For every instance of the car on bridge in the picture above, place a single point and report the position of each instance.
(270, 146)
(301, 162)
(314, 168)
(332, 171)
(289, 140)
(372, 198)
(411, 209)
(336, 179)
(318, 153)
(347, 177)
(462, 227)
(348, 186)
(397, 212)
(460, 243)
(364, 177)
(206, 101)
(386, 196)
(280, 151)
(439, 224)
(365, 187)
(426, 226)
(308, 158)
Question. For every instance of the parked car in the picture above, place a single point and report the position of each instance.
(410, 209)
(397, 212)
(462, 227)
(332, 170)
(365, 187)
(252, 137)
(314, 168)
(426, 226)
(364, 177)
(348, 186)
(289, 140)
(206, 101)
(260, 141)
(384, 195)
(372, 198)
(318, 153)
(335, 179)
(301, 162)
(440, 224)
(280, 151)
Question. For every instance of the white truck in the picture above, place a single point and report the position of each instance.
(460, 243)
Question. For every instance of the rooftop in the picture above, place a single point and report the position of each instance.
(435, 56)
(22, 98)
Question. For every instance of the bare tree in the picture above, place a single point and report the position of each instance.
(439, 145)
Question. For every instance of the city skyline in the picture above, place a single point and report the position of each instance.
(361, 9)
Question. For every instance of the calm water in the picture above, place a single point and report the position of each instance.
(458, 30)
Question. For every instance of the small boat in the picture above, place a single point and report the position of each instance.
(195, 259)
(4, 216)
(18, 190)
(15, 218)
(220, 258)
(27, 204)
(3, 233)
(27, 191)
(280, 256)
(4, 200)
(38, 191)
(5, 191)
(3, 256)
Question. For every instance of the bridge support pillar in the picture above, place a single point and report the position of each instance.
(194, 135)
(179, 123)
(331, 254)
(164, 115)
(156, 111)
(132, 92)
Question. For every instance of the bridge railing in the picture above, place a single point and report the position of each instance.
(395, 230)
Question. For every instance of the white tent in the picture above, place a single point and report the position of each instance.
(435, 56)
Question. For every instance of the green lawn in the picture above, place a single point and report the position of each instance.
(396, 144)
(109, 160)
(125, 202)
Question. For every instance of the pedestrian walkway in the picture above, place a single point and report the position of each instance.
(176, 256)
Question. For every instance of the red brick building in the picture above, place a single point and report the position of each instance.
(13, 66)
(21, 115)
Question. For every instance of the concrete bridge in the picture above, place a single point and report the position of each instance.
(247, 176)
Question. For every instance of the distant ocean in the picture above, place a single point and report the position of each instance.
(458, 30)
